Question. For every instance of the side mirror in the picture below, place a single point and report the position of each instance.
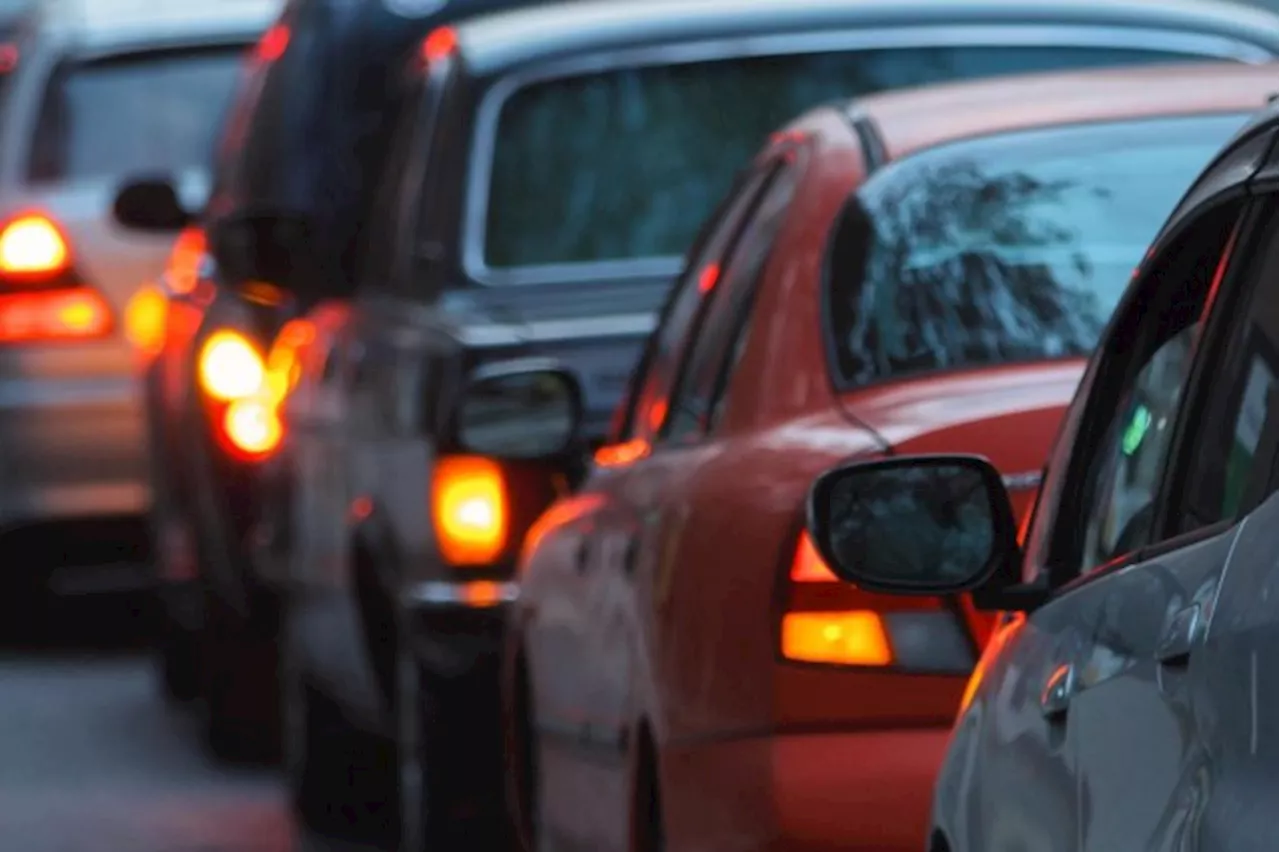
(524, 410)
(150, 204)
(915, 525)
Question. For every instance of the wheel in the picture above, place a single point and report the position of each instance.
(521, 758)
(336, 777)
(449, 767)
(178, 661)
(239, 687)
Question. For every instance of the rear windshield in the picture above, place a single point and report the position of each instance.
(627, 163)
(143, 113)
(1002, 250)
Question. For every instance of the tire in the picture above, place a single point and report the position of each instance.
(449, 797)
(521, 777)
(239, 685)
(337, 778)
(178, 664)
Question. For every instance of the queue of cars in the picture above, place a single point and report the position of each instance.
(440, 454)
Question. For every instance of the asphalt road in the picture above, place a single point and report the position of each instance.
(92, 760)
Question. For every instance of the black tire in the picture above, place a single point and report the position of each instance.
(178, 664)
(449, 777)
(337, 778)
(239, 685)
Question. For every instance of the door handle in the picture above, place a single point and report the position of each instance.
(1058, 690)
(1180, 637)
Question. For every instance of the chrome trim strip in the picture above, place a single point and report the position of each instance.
(637, 324)
(1024, 481)
(860, 38)
(442, 593)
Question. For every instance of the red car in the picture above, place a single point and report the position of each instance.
(915, 272)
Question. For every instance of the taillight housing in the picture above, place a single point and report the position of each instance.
(42, 299)
(825, 621)
(232, 376)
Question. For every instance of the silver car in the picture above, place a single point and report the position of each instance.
(101, 89)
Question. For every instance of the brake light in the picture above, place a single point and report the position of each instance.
(32, 245)
(230, 367)
(469, 510)
(59, 315)
(848, 638)
(284, 367)
(145, 318)
(808, 565)
(827, 620)
(182, 272)
(252, 426)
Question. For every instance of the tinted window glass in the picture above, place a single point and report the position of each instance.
(1002, 250)
(144, 113)
(685, 306)
(628, 163)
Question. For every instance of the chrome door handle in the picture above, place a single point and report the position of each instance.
(1058, 690)
(1180, 637)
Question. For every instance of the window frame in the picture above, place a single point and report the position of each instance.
(727, 312)
(1223, 352)
(55, 76)
(717, 226)
(847, 39)
(1061, 554)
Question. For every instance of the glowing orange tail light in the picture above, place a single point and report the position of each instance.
(469, 510)
(58, 315)
(253, 427)
(847, 638)
(621, 455)
(145, 319)
(230, 367)
(284, 367)
(32, 246)
(817, 629)
(182, 272)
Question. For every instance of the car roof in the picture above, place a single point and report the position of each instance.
(101, 25)
(495, 42)
(911, 120)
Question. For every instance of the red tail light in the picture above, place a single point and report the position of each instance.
(439, 44)
(828, 621)
(470, 510)
(63, 315)
(33, 247)
(273, 44)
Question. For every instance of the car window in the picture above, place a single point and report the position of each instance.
(717, 346)
(1001, 250)
(627, 163)
(1231, 448)
(1127, 434)
(681, 314)
(152, 112)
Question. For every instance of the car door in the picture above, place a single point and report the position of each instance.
(1024, 745)
(600, 641)
(1225, 481)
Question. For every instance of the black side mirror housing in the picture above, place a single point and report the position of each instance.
(150, 205)
(918, 525)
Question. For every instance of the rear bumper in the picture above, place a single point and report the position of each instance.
(455, 629)
(71, 448)
(854, 791)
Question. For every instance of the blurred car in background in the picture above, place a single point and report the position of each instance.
(1126, 700)
(296, 171)
(918, 272)
(549, 169)
(100, 90)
